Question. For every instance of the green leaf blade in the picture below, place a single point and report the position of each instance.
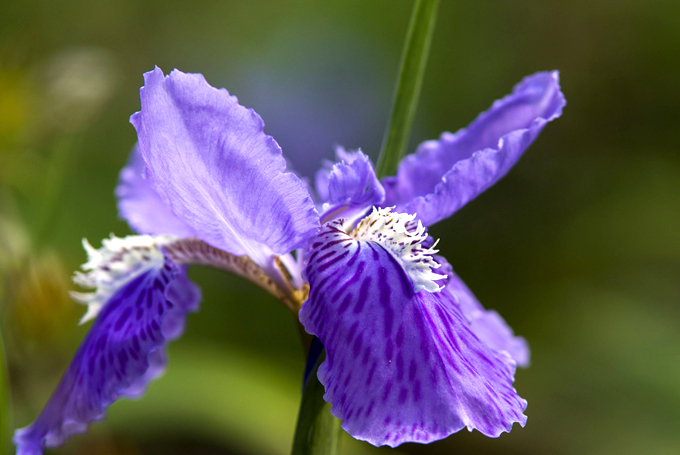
(409, 84)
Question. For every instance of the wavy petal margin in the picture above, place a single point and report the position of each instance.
(352, 187)
(210, 161)
(444, 175)
(487, 325)
(141, 206)
(400, 366)
(123, 351)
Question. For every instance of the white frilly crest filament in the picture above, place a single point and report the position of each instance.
(116, 263)
(402, 236)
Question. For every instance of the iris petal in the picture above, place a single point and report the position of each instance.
(401, 366)
(141, 206)
(488, 325)
(323, 175)
(123, 351)
(352, 188)
(444, 175)
(211, 163)
(355, 183)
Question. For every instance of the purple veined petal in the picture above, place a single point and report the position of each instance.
(211, 163)
(321, 179)
(141, 206)
(488, 325)
(323, 175)
(400, 366)
(444, 175)
(123, 351)
(353, 188)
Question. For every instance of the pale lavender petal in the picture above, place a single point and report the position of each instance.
(353, 188)
(210, 161)
(141, 206)
(400, 367)
(321, 179)
(488, 325)
(444, 175)
(323, 175)
(123, 351)
(355, 183)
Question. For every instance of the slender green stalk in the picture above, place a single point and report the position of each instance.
(5, 410)
(317, 431)
(411, 73)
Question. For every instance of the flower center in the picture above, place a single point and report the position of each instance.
(403, 236)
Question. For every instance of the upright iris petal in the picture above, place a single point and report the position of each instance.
(141, 206)
(211, 163)
(352, 187)
(401, 366)
(444, 175)
(323, 175)
(123, 351)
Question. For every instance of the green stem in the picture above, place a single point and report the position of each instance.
(317, 431)
(5, 411)
(411, 73)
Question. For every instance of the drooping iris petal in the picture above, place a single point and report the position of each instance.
(488, 325)
(400, 366)
(210, 161)
(353, 188)
(123, 351)
(141, 206)
(444, 175)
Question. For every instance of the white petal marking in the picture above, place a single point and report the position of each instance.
(403, 237)
(116, 263)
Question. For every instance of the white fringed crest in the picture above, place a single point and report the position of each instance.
(112, 266)
(403, 237)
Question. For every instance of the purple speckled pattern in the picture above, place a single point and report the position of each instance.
(123, 351)
(400, 366)
(212, 164)
(141, 206)
(444, 175)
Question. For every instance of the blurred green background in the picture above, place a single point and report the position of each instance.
(578, 248)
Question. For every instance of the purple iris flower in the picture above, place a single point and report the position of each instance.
(412, 356)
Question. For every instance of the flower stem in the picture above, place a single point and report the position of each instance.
(411, 72)
(5, 411)
(317, 431)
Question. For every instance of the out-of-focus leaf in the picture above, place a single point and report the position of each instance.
(223, 396)
(411, 75)
(5, 405)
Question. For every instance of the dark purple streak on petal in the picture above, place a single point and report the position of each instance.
(400, 366)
